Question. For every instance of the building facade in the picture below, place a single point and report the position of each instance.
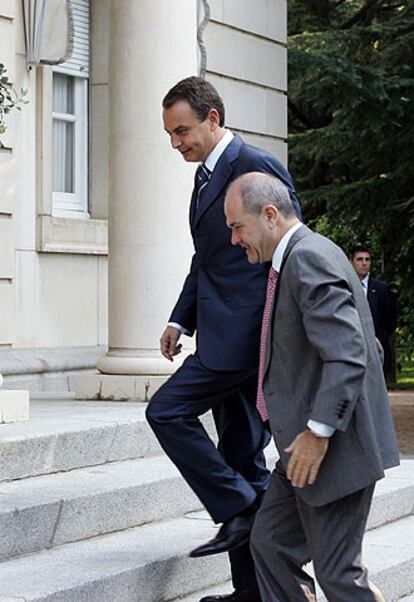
(86, 165)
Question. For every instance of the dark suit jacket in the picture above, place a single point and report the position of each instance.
(223, 295)
(383, 309)
(322, 364)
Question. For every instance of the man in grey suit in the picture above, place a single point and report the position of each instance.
(326, 399)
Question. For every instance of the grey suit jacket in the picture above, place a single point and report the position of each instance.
(322, 364)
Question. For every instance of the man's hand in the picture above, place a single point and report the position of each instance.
(307, 451)
(168, 342)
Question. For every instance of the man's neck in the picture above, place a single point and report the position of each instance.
(288, 226)
(218, 135)
(223, 140)
(283, 240)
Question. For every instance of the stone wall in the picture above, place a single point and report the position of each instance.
(247, 62)
(53, 271)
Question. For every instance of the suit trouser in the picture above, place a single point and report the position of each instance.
(227, 478)
(289, 533)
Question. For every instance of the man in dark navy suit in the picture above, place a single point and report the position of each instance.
(222, 302)
(380, 300)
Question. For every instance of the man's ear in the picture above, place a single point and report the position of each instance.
(214, 117)
(271, 214)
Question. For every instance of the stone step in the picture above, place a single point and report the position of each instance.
(388, 553)
(393, 495)
(151, 564)
(144, 564)
(46, 511)
(62, 435)
(54, 509)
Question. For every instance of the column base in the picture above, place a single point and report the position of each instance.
(108, 387)
(14, 406)
(137, 362)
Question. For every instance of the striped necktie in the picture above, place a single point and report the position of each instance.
(270, 294)
(202, 177)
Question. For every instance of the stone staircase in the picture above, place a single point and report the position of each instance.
(90, 510)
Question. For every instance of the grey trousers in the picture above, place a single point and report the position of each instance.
(289, 533)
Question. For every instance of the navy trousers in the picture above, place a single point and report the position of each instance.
(226, 478)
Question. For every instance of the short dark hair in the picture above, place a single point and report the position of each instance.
(360, 248)
(200, 95)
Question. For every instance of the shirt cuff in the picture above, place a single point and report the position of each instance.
(319, 429)
(178, 327)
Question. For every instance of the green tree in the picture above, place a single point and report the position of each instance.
(9, 99)
(351, 122)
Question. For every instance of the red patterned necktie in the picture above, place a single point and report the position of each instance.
(270, 293)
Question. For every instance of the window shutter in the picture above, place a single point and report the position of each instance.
(78, 64)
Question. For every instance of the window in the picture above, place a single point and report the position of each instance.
(62, 151)
(70, 123)
(70, 145)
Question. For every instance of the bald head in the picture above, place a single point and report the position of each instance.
(259, 212)
(256, 190)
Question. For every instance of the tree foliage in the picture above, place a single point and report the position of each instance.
(9, 99)
(351, 122)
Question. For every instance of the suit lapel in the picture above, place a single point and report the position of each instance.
(219, 178)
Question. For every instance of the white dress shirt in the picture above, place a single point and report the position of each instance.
(318, 428)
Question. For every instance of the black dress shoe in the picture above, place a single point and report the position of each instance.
(232, 534)
(239, 595)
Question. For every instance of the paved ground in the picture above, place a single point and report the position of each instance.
(402, 404)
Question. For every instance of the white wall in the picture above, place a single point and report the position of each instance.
(8, 186)
(60, 299)
(46, 299)
(247, 62)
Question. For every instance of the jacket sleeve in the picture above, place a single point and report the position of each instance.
(254, 159)
(273, 166)
(185, 310)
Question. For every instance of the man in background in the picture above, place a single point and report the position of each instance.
(222, 301)
(381, 302)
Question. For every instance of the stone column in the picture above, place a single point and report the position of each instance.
(152, 44)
